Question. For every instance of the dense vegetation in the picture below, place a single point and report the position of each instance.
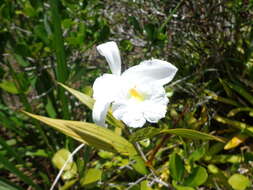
(211, 44)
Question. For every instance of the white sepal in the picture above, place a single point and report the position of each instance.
(152, 71)
(99, 112)
(111, 52)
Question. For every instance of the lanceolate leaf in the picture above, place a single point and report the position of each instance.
(187, 133)
(242, 91)
(85, 99)
(245, 128)
(192, 134)
(91, 134)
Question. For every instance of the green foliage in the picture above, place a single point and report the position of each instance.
(176, 165)
(59, 159)
(197, 177)
(47, 42)
(91, 176)
(239, 182)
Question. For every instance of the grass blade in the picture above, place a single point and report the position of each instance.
(61, 69)
(11, 151)
(9, 166)
(4, 185)
(187, 133)
(240, 90)
(237, 124)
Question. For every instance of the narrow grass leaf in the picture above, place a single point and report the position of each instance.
(243, 92)
(192, 134)
(235, 111)
(214, 96)
(11, 151)
(9, 166)
(245, 128)
(62, 72)
(187, 133)
(6, 185)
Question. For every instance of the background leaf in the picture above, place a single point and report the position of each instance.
(176, 166)
(239, 182)
(197, 177)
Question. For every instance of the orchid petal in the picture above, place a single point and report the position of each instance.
(111, 52)
(99, 111)
(152, 71)
(106, 87)
(154, 112)
(130, 114)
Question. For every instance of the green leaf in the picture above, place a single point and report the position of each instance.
(21, 61)
(68, 184)
(197, 177)
(139, 165)
(12, 151)
(197, 154)
(11, 167)
(176, 166)
(50, 108)
(99, 137)
(181, 187)
(227, 158)
(145, 186)
(239, 182)
(85, 99)
(144, 133)
(243, 92)
(134, 22)
(62, 71)
(245, 128)
(221, 99)
(6, 185)
(192, 134)
(187, 133)
(59, 159)
(91, 176)
(9, 86)
(233, 112)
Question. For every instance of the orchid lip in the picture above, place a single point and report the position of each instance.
(135, 94)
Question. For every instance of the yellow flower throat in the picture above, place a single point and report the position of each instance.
(136, 95)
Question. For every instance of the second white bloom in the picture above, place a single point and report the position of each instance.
(137, 95)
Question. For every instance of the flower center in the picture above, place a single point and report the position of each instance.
(136, 95)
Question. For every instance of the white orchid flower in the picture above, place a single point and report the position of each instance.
(136, 95)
